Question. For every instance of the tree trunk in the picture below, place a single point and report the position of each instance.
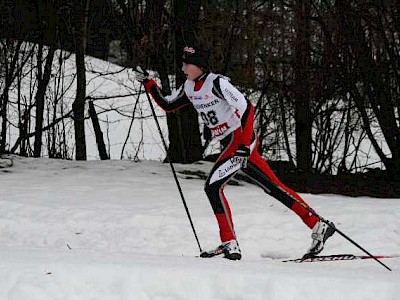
(98, 133)
(43, 81)
(302, 86)
(184, 133)
(10, 69)
(79, 103)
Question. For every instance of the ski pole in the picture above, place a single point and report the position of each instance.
(173, 170)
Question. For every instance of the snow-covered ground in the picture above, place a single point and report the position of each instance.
(118, 230)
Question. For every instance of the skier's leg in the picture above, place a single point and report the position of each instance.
(224, 169)
(221, 210)
(259, 171)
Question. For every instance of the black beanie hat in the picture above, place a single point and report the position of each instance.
(196, 55)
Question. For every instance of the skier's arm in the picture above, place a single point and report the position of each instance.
(243, 107)
(169, 103)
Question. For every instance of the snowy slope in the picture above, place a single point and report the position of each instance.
(118, 230)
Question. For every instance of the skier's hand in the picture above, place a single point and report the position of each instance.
(141, 74)
(243, 153)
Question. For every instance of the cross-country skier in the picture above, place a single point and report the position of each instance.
(229, 115)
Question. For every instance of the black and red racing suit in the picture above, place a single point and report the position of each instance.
(230, 118)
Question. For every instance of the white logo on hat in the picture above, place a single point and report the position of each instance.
(189, 49)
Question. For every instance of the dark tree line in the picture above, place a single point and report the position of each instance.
(323, 74)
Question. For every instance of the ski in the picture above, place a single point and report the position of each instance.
(338, 257)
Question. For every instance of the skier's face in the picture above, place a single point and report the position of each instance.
(191, 71)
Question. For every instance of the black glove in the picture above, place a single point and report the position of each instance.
(141, 75)
(243, 153)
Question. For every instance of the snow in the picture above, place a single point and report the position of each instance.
(118, 230)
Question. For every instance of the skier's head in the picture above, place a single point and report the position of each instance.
(198, 55)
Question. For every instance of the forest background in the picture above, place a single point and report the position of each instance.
(323, 75)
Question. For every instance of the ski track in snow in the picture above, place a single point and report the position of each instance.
(118, 230)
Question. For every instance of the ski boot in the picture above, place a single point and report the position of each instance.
(320, 233)
(229, 249)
